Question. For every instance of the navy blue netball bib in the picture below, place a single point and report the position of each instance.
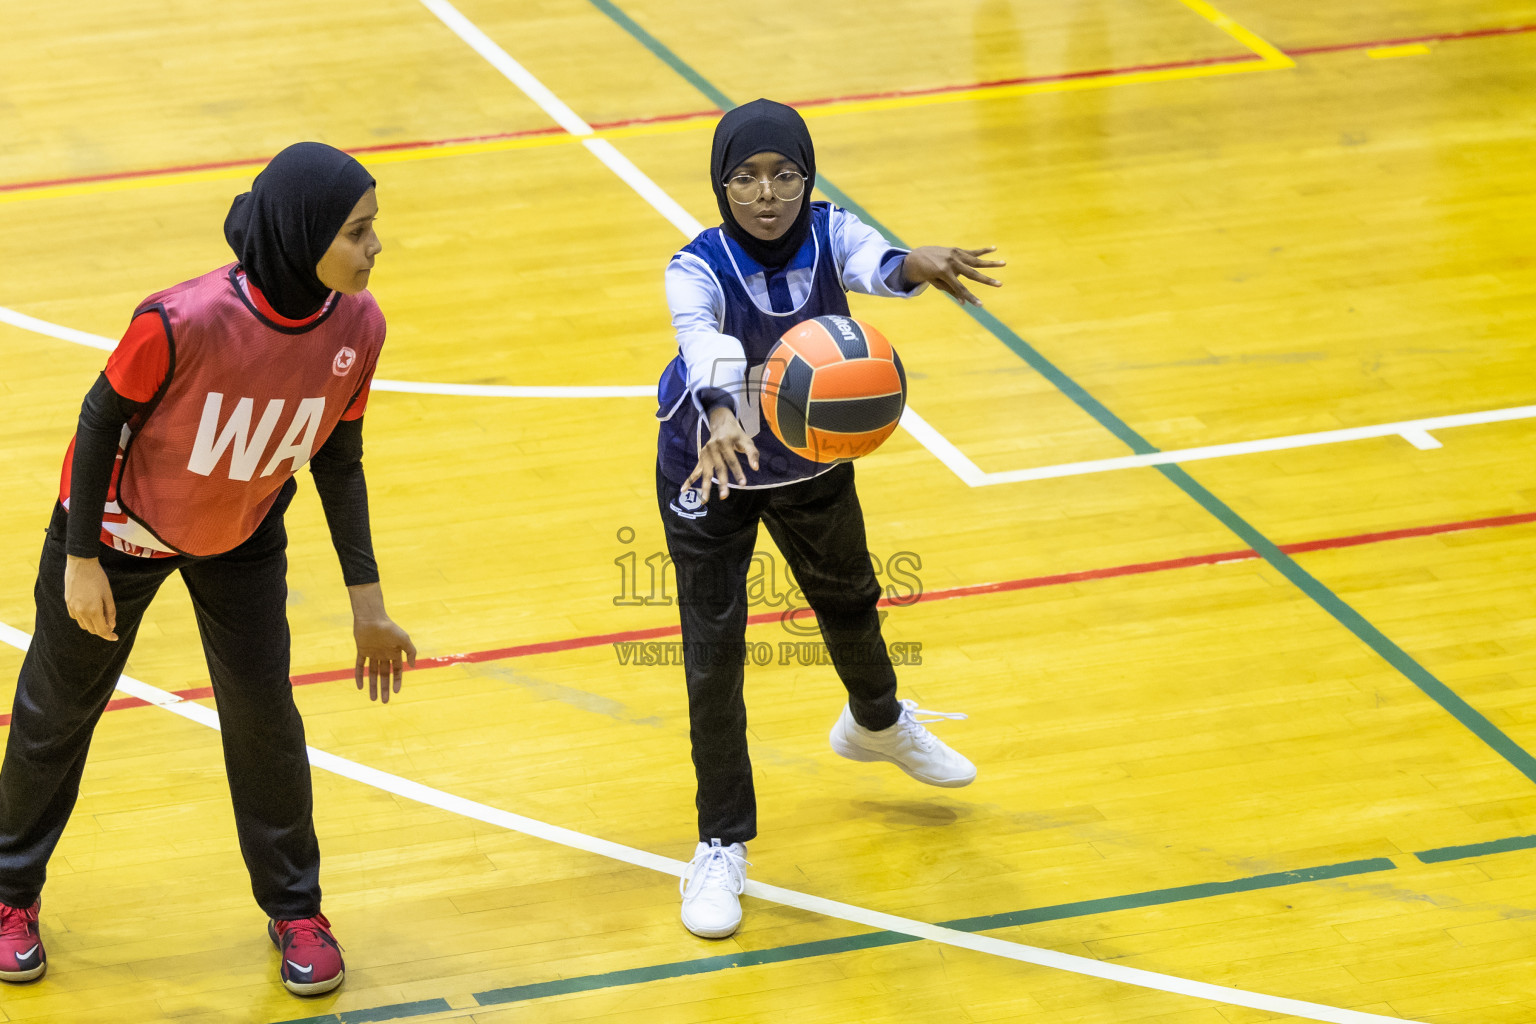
(760, 305)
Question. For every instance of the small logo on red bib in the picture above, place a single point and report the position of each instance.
(343, 363)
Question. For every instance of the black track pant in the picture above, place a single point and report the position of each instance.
(819, 527)
(68, 677)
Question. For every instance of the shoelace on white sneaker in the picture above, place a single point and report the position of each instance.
(716, 866)
(914, 727)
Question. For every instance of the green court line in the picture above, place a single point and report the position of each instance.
(421, 1006)
(1446, 853)
(394, 1011)
(1176, 894)
(1313, 588)
(1357, 624)
(871, 940)
(683, 968)
(874, 940)
(660, 49)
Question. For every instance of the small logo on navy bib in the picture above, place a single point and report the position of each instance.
(690, 504)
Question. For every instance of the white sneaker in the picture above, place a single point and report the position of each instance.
(907, 744)
(715, 878)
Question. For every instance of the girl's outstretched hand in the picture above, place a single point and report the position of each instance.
(943, 265)
(717, 460)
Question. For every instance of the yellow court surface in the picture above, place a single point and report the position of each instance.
(1218, 521)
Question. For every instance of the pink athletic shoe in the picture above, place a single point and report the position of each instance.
(311, 955)
(21, 948)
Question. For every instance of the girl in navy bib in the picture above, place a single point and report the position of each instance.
(776, 259)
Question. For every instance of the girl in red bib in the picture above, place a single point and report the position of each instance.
(183, 461)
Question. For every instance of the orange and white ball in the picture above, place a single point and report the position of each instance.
(833, 389)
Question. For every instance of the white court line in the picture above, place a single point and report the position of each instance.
(417, 387)
(941, 448)
(564, 116)
(127, 684)
(412, 387)
(926, 435)
(1416, 432)
(1421, 439)
(1017, 951)
(36, 326)
(651, 192)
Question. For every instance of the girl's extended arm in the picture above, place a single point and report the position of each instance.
(383, 648)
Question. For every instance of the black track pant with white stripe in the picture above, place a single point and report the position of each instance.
(819, 527)
(68, 677)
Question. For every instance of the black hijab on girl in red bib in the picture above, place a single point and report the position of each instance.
(286, 222)
(763, 126)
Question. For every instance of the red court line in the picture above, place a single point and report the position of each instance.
(949, 593)
(819, 102)
(996, 83)
(254, 161)
(1438, 37)
(971, 590)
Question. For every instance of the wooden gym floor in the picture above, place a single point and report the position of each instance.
(1254, 713)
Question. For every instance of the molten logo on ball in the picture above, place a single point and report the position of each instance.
(833, 389)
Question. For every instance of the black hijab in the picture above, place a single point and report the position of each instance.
(284, 224)
(763, 126)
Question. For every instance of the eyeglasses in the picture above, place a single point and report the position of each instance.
(786, 186)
